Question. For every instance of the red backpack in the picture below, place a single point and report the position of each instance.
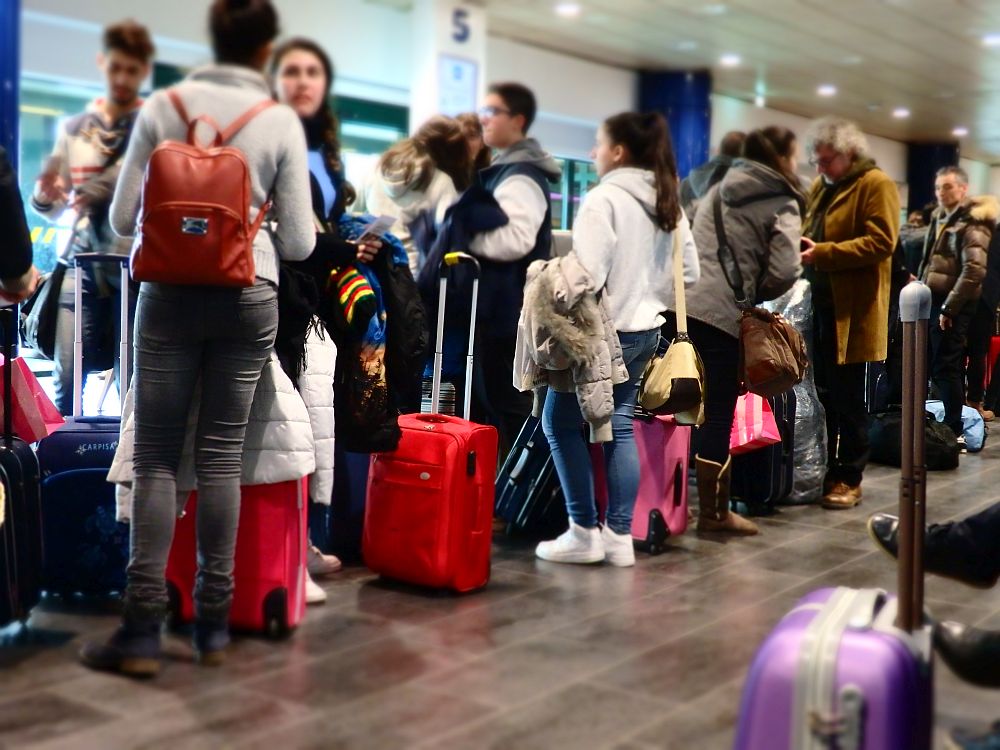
(194, 225)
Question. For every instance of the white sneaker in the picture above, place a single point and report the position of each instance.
(314, 594)
(618, 548)
(320, 565)
(575, 545)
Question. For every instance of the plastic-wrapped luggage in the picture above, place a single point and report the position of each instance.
(809, 448)
(850, 668)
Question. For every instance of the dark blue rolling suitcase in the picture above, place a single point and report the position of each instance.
(763, 478)
(86, 548)
(528, 493)
(21, 531)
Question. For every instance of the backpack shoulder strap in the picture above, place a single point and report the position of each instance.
(178, 103)
(727, 258)
(241, 122)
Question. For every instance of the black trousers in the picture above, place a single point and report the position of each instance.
(495, 400)
(974, 541)
(947, 360)
(841, 390)
(720, 354)
(978, 350)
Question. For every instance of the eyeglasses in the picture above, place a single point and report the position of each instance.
(493, 111)
(823, 163)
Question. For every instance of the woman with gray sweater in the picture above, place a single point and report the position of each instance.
(761, 207)
(220, 337)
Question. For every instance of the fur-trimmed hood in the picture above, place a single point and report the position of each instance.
(984, 208)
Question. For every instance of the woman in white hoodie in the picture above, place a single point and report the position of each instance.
(623, 237)
(423, 173)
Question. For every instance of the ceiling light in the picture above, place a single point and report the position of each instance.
(960, 132)
(991, 40)
(901, 113)
(568, 10)
(759, 101)
(730, 61)
(827, 89)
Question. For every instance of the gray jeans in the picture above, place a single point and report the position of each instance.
(223, 338)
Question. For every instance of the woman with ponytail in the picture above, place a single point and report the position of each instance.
(761, 205)
(623, 237)
(218, 338)
(421, 174)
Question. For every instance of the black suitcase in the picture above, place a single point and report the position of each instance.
(763, 478)
(87, 548)
(21, 547)
(528, 493)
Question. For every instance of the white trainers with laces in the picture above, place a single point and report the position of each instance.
(576, 545)
(618, 548)
(314, 594)
(319, 564)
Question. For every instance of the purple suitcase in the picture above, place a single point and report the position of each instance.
(847, 668)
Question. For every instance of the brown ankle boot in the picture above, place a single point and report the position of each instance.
(713, 500)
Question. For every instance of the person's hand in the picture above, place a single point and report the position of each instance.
(51, 188)
(807, 246)
(944, 322)
(81, 202)
(368, 249)
(18, 290)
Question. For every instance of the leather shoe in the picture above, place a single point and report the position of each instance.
(842, 496)
(884, 530)
(972, 654)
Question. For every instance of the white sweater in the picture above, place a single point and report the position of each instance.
(628, 256)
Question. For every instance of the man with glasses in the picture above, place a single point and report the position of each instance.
(852, 224)
(519, 179)
(953, 266)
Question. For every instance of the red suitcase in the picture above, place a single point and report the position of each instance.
(429, 512)
(271, 544)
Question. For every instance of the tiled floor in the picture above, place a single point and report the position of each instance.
(547, 657)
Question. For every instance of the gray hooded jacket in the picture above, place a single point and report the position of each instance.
(762, 219)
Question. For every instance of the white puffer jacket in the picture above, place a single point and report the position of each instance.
(281, 441)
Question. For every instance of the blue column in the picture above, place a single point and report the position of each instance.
(923, 160)
(685, 100)
(10, 74)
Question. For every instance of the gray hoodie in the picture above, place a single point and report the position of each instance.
(274, 144)
(763, 225)
(626, 253)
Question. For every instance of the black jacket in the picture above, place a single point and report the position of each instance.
(16, 256)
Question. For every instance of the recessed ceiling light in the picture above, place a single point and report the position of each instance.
(901, 113)
(960, 132)
(991, 40)
(759, 101)
(713, 9)
(827, 89)
(730, 61)
(568, 10)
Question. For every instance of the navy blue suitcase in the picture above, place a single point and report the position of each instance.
(528, 493)
(347, 507)
(763, 478)
(21, 550)
(86, 548)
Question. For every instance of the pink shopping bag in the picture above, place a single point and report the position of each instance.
(34, 415)
(753, 425)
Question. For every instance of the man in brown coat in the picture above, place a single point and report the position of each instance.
(953, 266)
(852, 222)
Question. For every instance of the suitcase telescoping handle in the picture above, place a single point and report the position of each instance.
(915, 312)
(450, 260)
(9, 325)
(82, 259)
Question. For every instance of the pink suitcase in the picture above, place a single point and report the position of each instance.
(661, 505)
(271, 544)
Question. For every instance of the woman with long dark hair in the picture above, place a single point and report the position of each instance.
(623, 237)
(220, 337)
(761, 203)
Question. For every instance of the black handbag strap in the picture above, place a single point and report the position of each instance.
(727, 258)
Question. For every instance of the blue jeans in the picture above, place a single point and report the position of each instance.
(222, 338)
(562, 422)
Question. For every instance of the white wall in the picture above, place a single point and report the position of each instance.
(370, 46)
(979, 176)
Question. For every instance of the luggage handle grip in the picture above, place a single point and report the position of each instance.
(101, 258)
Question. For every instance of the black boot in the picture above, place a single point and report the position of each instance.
(134, 648)
(941, 557)
(972, 654)
(211, 634)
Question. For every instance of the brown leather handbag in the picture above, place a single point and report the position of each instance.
(195, 225)
(773, 355)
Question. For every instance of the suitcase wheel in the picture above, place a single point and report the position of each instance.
(276, 614)
(657, 533)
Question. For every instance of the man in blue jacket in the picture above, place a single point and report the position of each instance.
(519, 180)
